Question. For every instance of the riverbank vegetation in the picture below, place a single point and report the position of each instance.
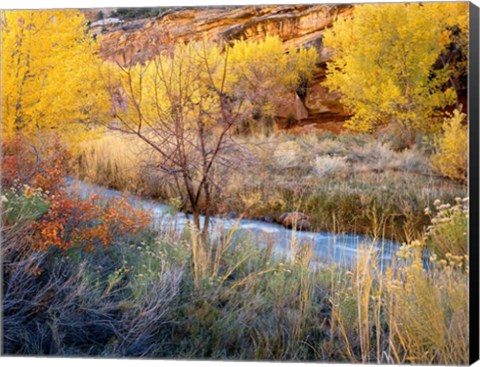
(195, 129)
(146, 293)
(343, 182)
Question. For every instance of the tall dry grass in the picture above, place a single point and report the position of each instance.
(111, 160)
(406, 313)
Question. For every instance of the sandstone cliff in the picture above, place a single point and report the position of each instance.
(295, 24)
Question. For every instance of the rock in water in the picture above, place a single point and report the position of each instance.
(232, 215)
(303, 225)
(268, 219)
(297, 220)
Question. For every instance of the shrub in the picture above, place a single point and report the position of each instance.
(412, 160)
(42, 164)
(72, 223)
(137, 13)
(33, 174)
(448, 233)
(288, 154)
(330, 146)
(373, 155)
(451, 158)
(23, 206)
(330, 166)
(97, 306)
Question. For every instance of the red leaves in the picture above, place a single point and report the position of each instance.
(72, 222)
(69, 222)
(42, 164)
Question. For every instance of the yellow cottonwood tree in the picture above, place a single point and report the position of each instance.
(49, 73)
(383, 63)
(264, 73)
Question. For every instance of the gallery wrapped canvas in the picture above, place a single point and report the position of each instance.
(249, 183)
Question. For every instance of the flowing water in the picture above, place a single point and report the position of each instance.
(342, 249)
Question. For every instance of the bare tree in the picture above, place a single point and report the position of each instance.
(179, 106)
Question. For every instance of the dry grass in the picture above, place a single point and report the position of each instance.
(339, 181)
(172, 294)
(167, 294)
(404, 314)
(448, 234)
(111, 160)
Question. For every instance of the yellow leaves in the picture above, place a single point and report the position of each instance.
(255, 66)
(181, 87)
(265, 61)
(195, 76)
(383, 62)
(452, 14)
(264, 52)
(451, 158)
(49, 70)
(300, 64)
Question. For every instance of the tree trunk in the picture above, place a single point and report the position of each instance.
(196, 219)
(205, 226)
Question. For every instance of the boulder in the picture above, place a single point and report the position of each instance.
(232, 215)
(297, 220)
(303, 225)
(280, 218)
(268, 219)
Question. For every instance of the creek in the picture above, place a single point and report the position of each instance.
(341, 249)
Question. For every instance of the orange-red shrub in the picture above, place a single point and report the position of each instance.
(74, 223)
(69, 222)
(42, 164)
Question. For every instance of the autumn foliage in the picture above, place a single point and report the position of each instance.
(41, 165)
(74, 223)
(50, 81)
(451, 157)
(384, 63)
(33, 178)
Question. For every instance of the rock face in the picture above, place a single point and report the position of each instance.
(297, 25)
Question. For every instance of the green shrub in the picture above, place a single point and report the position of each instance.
(22, 206)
